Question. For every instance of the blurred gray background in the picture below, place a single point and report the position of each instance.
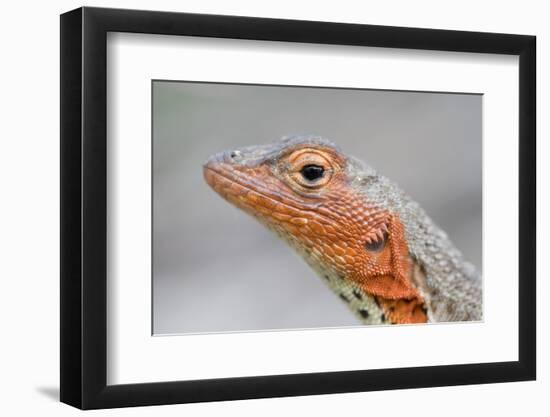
(217, 269)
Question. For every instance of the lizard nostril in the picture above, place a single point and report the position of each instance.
(234, 154)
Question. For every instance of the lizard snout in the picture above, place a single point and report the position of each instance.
(225, 157)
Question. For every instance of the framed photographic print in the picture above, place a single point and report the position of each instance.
(257, 207)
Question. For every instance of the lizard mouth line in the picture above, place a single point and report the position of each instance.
(235, 179)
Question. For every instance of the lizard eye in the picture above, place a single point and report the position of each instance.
(376, 245)
(309, 169)
(312, 172)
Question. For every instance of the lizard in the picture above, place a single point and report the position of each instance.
(373, 245)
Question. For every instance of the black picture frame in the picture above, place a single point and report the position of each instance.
(84, 197)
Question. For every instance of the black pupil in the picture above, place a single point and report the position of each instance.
(312, 172)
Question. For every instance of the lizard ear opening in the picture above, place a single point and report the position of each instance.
(376, 244)
(388, 261)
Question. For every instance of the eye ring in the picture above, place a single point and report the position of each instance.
(308, 170)
(312, 172)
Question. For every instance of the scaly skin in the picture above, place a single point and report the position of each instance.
(375, 247)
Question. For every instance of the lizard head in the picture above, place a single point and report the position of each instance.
(307, 191)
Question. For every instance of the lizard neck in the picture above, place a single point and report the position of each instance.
(450, 286)
(367, 308)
